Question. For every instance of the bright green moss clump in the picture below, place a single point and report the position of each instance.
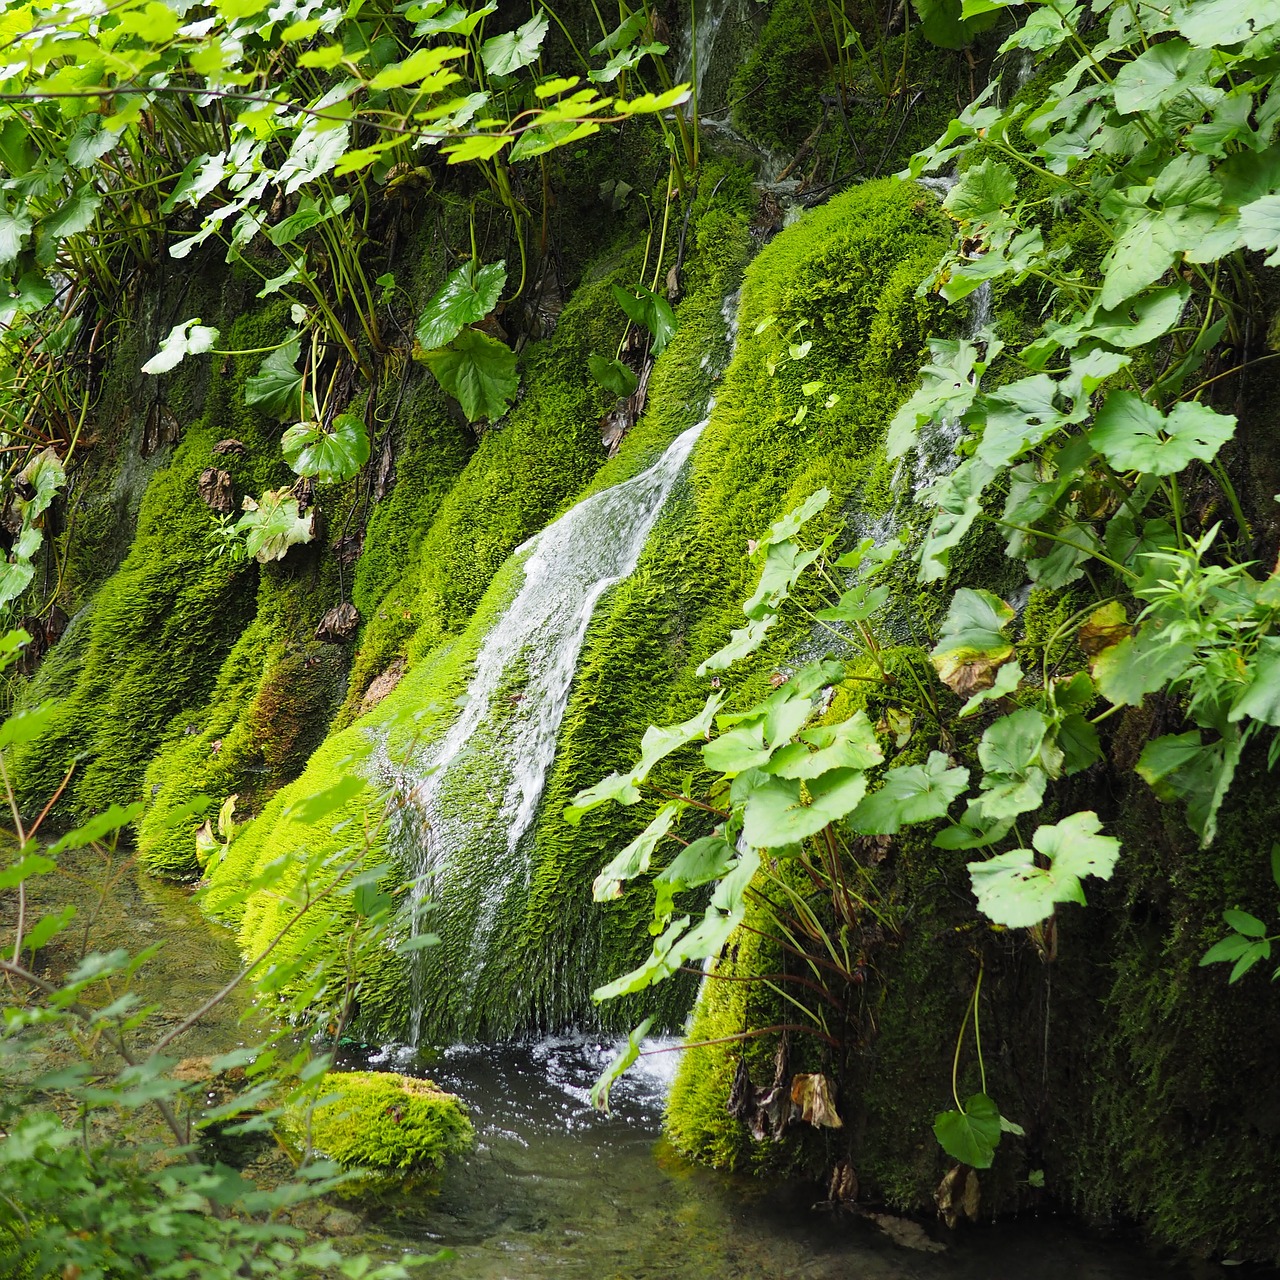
(386, 1123)
(162, 624)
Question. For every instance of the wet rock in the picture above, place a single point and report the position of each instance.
(160, 429)
(339, 625)
(216, 490)
(341, 1222)
(910, 1235)
(382, 685)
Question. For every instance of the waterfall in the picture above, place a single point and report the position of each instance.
(521, 681)
(698, 42)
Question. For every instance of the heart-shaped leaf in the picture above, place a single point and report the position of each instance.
(329, 456)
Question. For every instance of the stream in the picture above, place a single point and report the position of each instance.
(553, 1189)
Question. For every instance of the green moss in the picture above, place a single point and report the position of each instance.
(162, 624)
(383, 1122)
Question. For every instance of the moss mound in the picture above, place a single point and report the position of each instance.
(386, 1123)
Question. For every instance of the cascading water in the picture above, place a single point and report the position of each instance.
(522, 679)
(698, 43)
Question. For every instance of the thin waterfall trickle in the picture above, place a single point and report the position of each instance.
(536, 642)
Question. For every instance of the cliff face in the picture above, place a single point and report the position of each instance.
(1142, 1081)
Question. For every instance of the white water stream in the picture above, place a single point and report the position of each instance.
(567, 568)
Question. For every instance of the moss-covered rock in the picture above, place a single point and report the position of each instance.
(383, 1123)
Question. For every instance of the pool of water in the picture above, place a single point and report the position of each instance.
(556, 1191)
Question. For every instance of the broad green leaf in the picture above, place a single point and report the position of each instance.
(324, 804)
(505, 54)
(455, 20)
(277, 386)
(329, 455)
(273, 523)
(418, 66)
(1012, 890)
(1160, 74)
(957, 498)
(942, 24)
(646, 308)
(652, 103)
(1260, 698)
(15, 226)
(794, 521)
(617, 788)
(99, 827)
(696, 864)
(72, 216)
(309, 213)
(972, 1135)
(659, 743)
(479, 372)
(1210, 24)
(1136, 436)
(1142, 320)
(784, 562)
(613, 376)
(983, 191)
(1244, 923)
(1139, 258)
(1230, 948)
(1138, 665)
(948, 384)
(634, 859)
(190, 338)
(34, 864)
(1260, 227)
(910, 794)
(972, 644)
(783, 811)
(1018, 417)
(738, 749)
(27, 725)
(856, 605)
(849, 744)
(466, 297)
(1016, 742)
(622, 35)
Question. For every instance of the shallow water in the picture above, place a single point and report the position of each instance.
(556, 1191)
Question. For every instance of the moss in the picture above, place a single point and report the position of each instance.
(382, 1122)
(874, 112)
(162, 624)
